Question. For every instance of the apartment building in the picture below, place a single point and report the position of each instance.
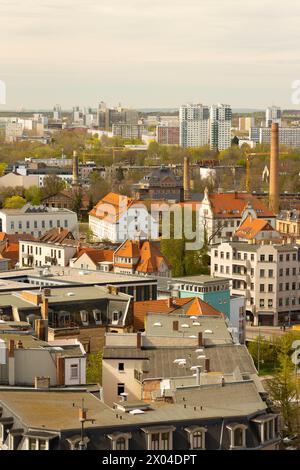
(128, 131)
(220, 127)
(37, 220)
(29, 361)
(245, 123)
(55, 248)
(273, 114)
(141, 257)
(289, 136)
(117, 218)
(194, 125)
(267, 275)
(288, 224)
(223, 213)
(140, 426)
(167, 134)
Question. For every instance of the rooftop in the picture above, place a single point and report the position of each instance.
(54, 410)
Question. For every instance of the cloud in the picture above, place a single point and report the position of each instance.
(179, 47)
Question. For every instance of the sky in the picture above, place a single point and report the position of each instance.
(149, 53)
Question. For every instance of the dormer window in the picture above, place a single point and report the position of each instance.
(84, 317)
(268, 427)
(196, 436)
(237, 435)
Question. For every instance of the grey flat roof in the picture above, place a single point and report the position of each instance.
(54, 410)
(159, 362)
(200, 279)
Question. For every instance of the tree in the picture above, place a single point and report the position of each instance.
(99, 187)
(33, 195)
(14, 202)
(283, 386)
(94, 368)
(52, 185)
(77, 202)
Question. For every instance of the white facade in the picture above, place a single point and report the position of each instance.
(273, 114)
(220, 126)
(13, 131)
(37, 220)
(289, 136)
(136, 223)
(237, 321)
(35, 253)
(268, 276)
(194, 125)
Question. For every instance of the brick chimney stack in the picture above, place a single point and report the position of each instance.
(186, 179)
(274, 170)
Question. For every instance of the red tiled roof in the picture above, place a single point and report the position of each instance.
(148, 255)
(112, 207)
(233, 204)
(251, 227)
(56, 235)
(188, 306)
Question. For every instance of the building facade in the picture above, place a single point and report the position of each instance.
(194, 125)
(220, 127)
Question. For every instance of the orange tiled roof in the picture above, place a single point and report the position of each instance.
(116, 206)
(10, 251)
(189, 306)
(251, 227)
(96, 255)
(56, 235)
(148, 255)
(233, 204)
(199, 307)
(140, 309)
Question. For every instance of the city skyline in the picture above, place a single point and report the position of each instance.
(148, 55)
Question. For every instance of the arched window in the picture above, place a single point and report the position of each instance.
(121, 444)
(238, 437)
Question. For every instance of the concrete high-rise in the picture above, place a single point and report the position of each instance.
(274, 170)
(194, 125)
(273, 114)
(220, 127)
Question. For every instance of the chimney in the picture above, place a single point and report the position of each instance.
(44, 309)
(170, 302)
(75, 169)
(60, 370)
(42, 382)
(186, 179)
(223, 381)
(274, 170)
(41, 329)
(175, 325)
(200, 339)
(11, 348)
(139, 340)
(207, 365)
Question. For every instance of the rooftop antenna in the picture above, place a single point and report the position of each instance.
(83, 419)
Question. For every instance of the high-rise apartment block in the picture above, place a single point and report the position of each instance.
(194, 125)
(273, 114)
(167, 135)
(245, 123)
(220, 127)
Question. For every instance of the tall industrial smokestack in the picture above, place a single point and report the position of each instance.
(75, 169)
(186, 179)
(274, 170)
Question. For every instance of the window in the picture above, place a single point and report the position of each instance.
(288, 257)
(50, 223)
(12, 225)
(165, 440)
(261, 303)
(155, 441)
(74, 371)
(121, 444)
(261, 288)
(270, 258)
(43, 445)
(27, 224)
(237, 435)
(66, 223)
(270, 288)
(262, 257)
(20, 225)
(121, 366)
(262, 273)
(271, 272)
(280, 272)
(32, 444)
(121, 389)
(58, 223)
(43, 224)
(35, 224)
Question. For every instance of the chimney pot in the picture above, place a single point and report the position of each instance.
(139, 340)
(200, 338)
(207, 365)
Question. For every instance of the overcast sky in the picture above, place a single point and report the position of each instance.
(149, 53)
